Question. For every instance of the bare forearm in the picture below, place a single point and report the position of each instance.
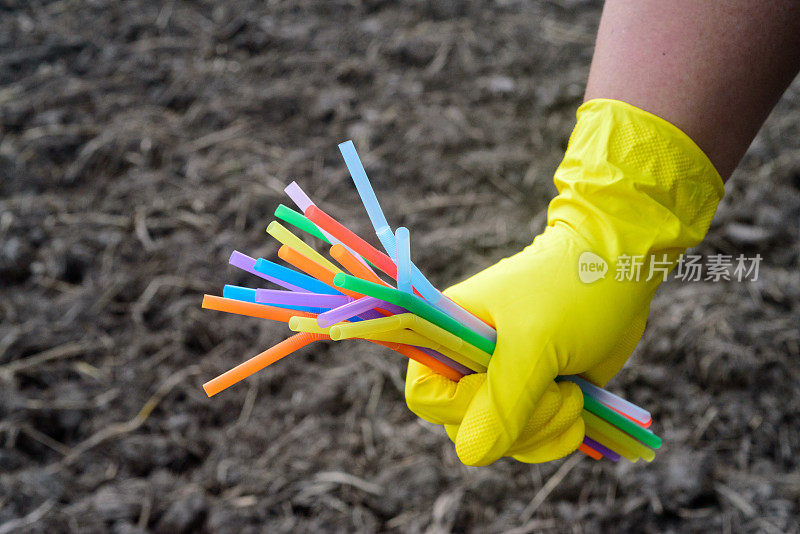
(714, 69)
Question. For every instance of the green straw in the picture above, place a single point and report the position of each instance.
(621, 422)
(298, 220)
(301, 222)
(415, 305)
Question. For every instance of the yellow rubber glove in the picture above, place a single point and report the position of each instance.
(633, 189)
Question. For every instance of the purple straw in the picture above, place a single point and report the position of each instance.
(602, 449)
(356, 307)
(297, 298)
(246, 263)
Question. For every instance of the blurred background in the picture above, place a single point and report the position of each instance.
(141, 142)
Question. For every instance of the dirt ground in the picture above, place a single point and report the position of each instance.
(142, 141)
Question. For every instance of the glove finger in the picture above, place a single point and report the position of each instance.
(502, 406)
(605, 371)
(437, 399)
(547, 407)
(555, 448)
(569, 411)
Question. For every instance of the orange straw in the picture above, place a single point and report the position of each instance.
(262, 311)
(300, 340)
(297, 260)
(650, 422)
(349, 238)
(353, 266)
(590, 452)
(258, 362)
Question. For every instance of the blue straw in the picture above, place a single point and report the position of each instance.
(302, 280)
(247, 294)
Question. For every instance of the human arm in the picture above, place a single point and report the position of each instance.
(632, 183)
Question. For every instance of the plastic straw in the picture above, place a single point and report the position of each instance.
(293, 343)
(418, 325)
(353, 308)
(282, 234)
(246, 263)
(416, 306)
(302, 281)
(626, 408)
(349, 261)
(327, 223)
(623, 423)
(602, 434)
(295, 298)
(602, 449)
(249, 295)
(615, 438)
(403, 241)
(376, 216)
(299, 221)
(383, 262)
(409, 337)
(258, 362)
(305, 324)
(303, 202)
(310, 267)
(589, 451)
(300, 198)
(262, 311)
(387, 239)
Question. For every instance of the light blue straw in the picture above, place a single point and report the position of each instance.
(403, 241)
(387, 238)
(379, 222)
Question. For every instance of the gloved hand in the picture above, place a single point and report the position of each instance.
(633, 189)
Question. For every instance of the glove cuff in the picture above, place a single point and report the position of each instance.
(632, 183)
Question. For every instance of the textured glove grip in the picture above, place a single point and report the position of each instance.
(634, 182)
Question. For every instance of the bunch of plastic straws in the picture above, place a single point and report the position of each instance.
(321, 301)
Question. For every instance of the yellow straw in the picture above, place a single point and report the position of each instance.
(417, 324)
(282, 234)
(307, 324)
(615, 439)
(361, 329)
(409, 337)
(406, 337)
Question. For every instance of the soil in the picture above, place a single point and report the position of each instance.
(141, 142)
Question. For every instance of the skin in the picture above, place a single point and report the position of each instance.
(715, 69)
